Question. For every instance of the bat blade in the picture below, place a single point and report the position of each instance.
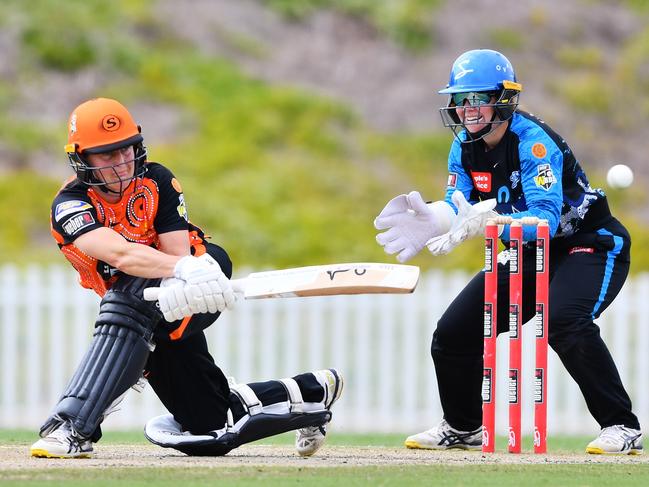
(332, 279)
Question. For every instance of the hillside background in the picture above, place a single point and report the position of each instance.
(290, 123)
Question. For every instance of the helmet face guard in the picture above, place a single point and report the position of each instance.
(485, 79)
(95, 176)
(99, 126)
(454, 116)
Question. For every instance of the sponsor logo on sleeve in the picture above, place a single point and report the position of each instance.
(539, 151)
(482, 181)
(545, 178)
(69, 207)
(78, 222)
(182, 208)
(452, 180)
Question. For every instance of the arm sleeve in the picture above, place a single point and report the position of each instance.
(172, 211)
(458, 179)
(541, 175)
(72, 215)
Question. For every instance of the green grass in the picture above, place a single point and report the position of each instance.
(310, 474)
(437, 475)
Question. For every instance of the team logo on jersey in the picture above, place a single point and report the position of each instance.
(515, 178)
(452, 180)
(68, 207)
(176, 185)
(482, 181)
(182, 208)
(78, 222)
(539, 150)
(545, 178)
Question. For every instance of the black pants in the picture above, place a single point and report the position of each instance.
(587, 271)
(190, 385)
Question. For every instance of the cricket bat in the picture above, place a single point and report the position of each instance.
(325, 280)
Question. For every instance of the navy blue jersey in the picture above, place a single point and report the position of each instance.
(531, 172)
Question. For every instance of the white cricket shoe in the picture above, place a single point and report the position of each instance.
(444, 437)
(309, 440)
(616, 440)
(63, 442)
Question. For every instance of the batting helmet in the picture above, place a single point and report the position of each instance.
(102, 125)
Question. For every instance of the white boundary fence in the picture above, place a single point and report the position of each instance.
(380, 343)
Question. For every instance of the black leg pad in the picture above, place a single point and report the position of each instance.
(114, 362)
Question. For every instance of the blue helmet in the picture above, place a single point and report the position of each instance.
(480, 70)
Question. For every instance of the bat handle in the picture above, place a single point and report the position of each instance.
(238, 285)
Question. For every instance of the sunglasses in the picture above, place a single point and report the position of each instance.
(475, 98)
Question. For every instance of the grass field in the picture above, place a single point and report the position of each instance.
(347, 460)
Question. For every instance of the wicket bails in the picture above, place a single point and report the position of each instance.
(514, 318)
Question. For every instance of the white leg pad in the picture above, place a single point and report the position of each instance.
(248, 398)
(296, 402)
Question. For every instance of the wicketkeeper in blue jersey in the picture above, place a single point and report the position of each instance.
(509, 162)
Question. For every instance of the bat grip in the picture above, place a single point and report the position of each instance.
(238, 285)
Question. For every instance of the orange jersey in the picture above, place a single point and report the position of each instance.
(152, 205)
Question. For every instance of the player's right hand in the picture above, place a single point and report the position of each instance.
(409, 222)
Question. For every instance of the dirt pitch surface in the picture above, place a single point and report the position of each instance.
(119, 456)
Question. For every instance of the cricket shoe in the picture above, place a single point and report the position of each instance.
(309, 440)
(63, 442)
(444, 437)
(617, 440)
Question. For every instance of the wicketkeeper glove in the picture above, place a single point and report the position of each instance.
(410, 223)
(469, 222)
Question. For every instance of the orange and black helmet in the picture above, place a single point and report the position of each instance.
(102, 125)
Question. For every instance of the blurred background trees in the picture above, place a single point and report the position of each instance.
(290, 123)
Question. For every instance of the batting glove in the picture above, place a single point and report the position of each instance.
(206, 283)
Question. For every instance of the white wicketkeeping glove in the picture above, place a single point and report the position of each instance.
(470, 221)
(410, 223)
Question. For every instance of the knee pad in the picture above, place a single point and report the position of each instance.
(257, 422)
(113, 363)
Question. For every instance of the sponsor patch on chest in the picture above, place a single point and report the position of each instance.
(482, 181)
(78, 222)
